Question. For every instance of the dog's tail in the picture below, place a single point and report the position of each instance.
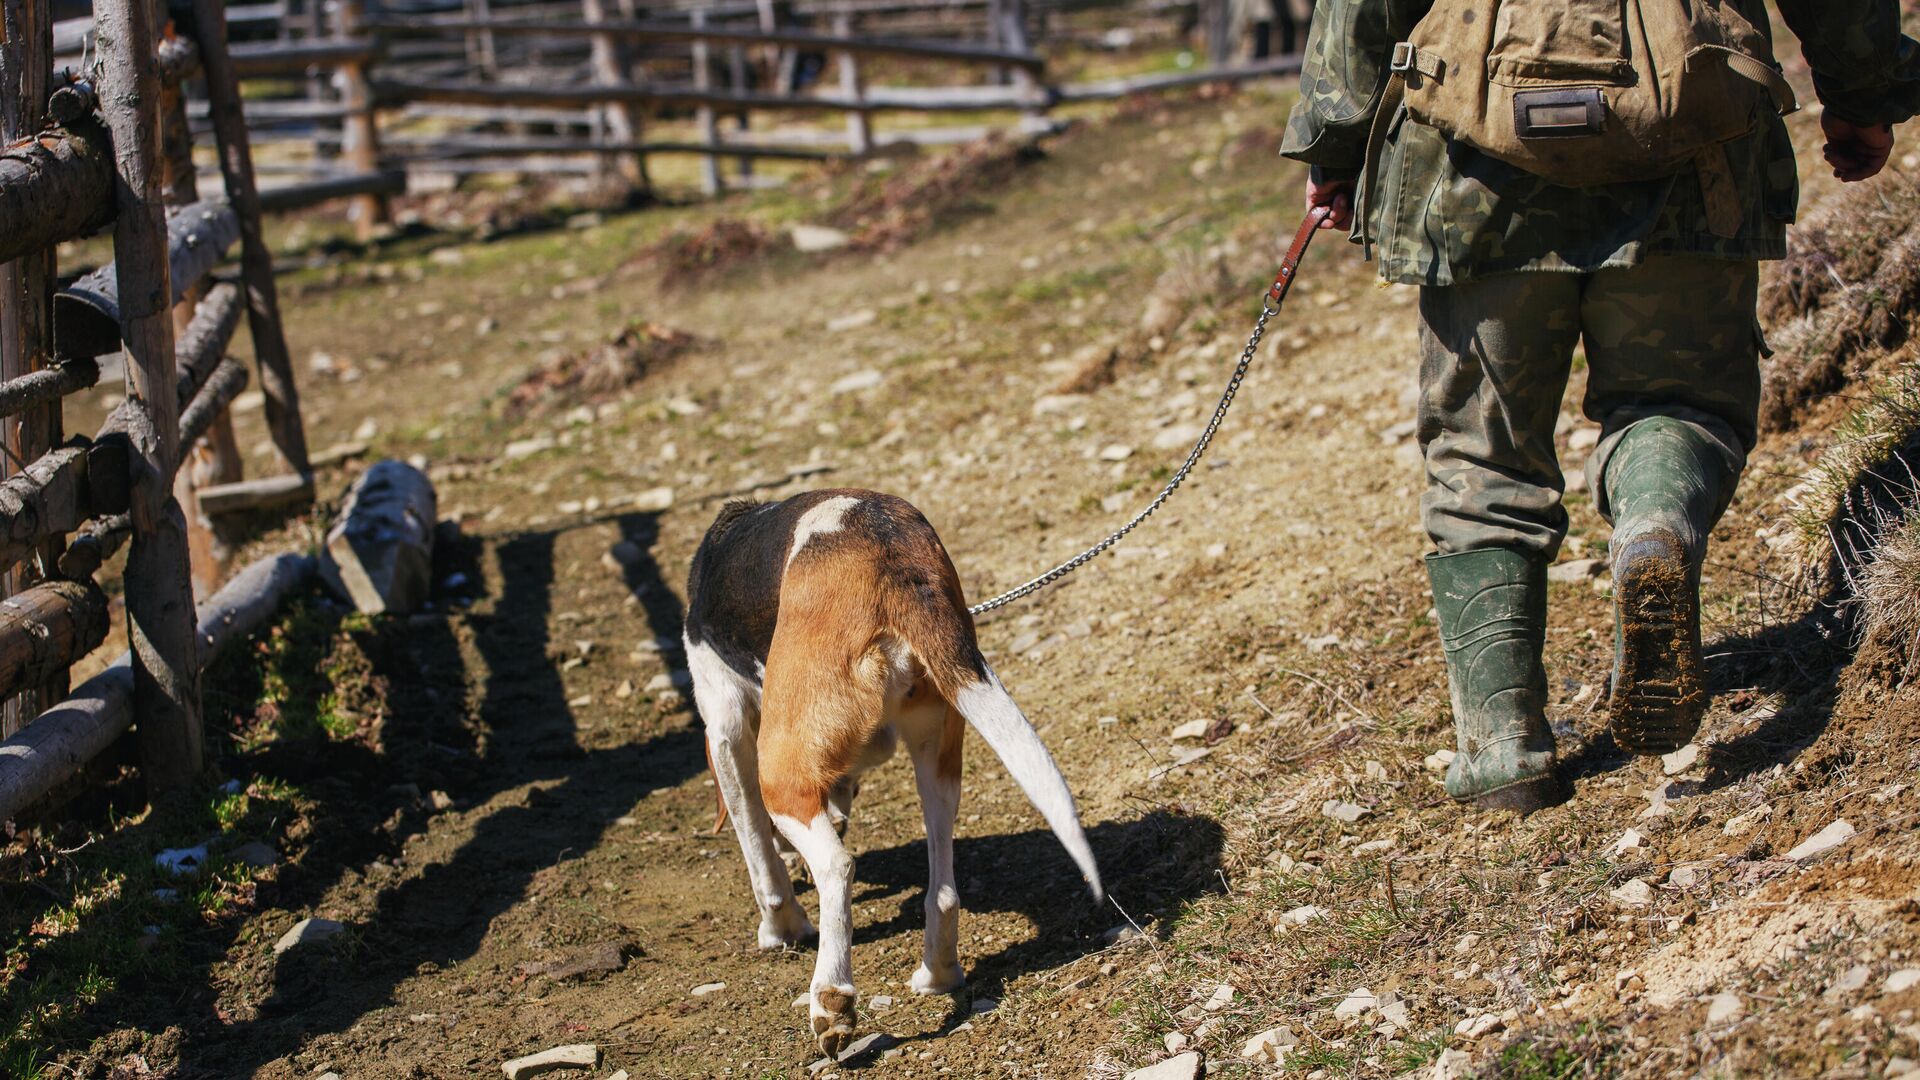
(986, 705)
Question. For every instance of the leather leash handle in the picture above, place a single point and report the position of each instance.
(1290, 263)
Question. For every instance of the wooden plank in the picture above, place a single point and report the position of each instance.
(62, 740)
(253, 60)
(87, 315)
(623, 119)
(852, 86)
(650, 30)
(297, 196)
(455, 146)
(704, 116)
(284, 424)
(265, 493)
(360, 132)
(1108, 89)
(55, 186)
(47, 385)
(46, 628)
(166, 690)
(878, 98)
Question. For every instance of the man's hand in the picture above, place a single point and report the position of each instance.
(1338, 194)
(1855, 151)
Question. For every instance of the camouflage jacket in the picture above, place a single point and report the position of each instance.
(1445, 212)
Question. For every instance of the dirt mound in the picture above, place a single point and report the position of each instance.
(887, 212)
(600, 372)
(689, 257)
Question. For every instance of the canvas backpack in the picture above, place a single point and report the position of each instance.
(1585, 92)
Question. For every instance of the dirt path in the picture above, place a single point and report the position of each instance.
(518, 784)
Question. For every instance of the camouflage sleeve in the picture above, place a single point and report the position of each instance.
(1864, 68)
(1341, 74)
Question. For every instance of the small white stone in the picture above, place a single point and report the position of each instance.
(1116, 452)
(1221, 998)
(1628, 841)
(1475, 1026)
(1179, 1067)
(1680, 760)
(1343, 811)
(1450, 1065)
(1635, 893)
(1823, 841)
(859, 380)
(853, 320)
(1904, 979)
(576, 1056)
(1438, 761)
(1850, 980)
(1724, 1009)
(1192, 729)
(1683, 877)
(1174, 1041)
(1358, 1003)
(816, 238)
(1575, 570)
(1270, 1046)
(1302, 915)
(307, 932)
(1466, 944)
(707, 988)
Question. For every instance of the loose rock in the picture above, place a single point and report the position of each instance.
(1635, 893)
(307, 932)
(1823, 841)
(1270, 1046)
(1358, 1003)
(707, 988)
(1724, 1009)
(576, 1056)
(1476, 1026)
(1680, 760)
(1179, 1067)
(1904, 979)
(1343, 811)
(1576, 570)
(254, 854)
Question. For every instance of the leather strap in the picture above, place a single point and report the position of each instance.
(1290, 263)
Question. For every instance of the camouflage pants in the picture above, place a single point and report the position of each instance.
(1674, 336)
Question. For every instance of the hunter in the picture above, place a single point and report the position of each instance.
(1605, 173)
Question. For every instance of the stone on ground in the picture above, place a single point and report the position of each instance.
(1823, 841)
(575, 1056)
(1270, 1046)
(1904, 979)
(707, 988)
(307, 932)
(1724, 1009)
(1357, 1003)
(1178, 1067)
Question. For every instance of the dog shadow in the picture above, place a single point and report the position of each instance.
(1152, 865)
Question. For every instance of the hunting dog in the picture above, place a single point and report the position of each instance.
(823, 631)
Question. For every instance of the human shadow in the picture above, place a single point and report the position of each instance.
(518, 756)
(1151, 865)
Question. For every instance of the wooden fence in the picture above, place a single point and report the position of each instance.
(576, 85)
(78, 156)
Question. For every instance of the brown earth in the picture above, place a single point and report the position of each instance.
(1279, 598)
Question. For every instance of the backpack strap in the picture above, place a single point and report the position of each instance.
(1407, 63)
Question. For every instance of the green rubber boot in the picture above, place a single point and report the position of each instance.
(1493, 624)
(1663, 485)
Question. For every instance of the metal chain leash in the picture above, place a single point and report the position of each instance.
(1269, 307)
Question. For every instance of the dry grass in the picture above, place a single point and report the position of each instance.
(1887, 590)
(599, 372)
(1863, 484)
(886, 212)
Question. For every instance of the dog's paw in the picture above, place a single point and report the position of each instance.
(785, 929)
(941, 980)
(831, 1013)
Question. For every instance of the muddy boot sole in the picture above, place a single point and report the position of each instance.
(1658, 693)
(1523, 796)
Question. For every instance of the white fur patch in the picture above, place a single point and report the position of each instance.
(822, 519)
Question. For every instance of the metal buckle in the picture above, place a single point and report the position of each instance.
(1402, 57)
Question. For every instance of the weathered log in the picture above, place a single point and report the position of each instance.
(265, 493)
(205, 340)
(360, 131)
(93, 545)
(63, 739)
(906, 99)
(298, 196)
(48, 384)
(219, 391)
(55, 186)
(1107, 89)
(166, 687)
(46, 628)
(379, 553)
(47, 498)
(611, 66)
(256, 261)
(87, 314)
(477, 145)
(649, 30)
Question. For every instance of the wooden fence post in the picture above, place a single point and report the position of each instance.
(737, 76)
(26, 285)
(256, 261)
(359, 132)
(709, 126)
(166, 681)
(1014, 36)
(620, 119)
(859, 121)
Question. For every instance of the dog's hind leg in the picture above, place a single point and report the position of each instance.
(934, 744)
(729, 709)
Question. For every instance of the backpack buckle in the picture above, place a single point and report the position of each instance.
(1403, 58)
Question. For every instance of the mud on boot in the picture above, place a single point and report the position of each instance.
(1658, 694)
(1493, 616)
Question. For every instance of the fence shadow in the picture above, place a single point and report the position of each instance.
(525, 734)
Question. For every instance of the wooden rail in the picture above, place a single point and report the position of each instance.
(86, 159)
